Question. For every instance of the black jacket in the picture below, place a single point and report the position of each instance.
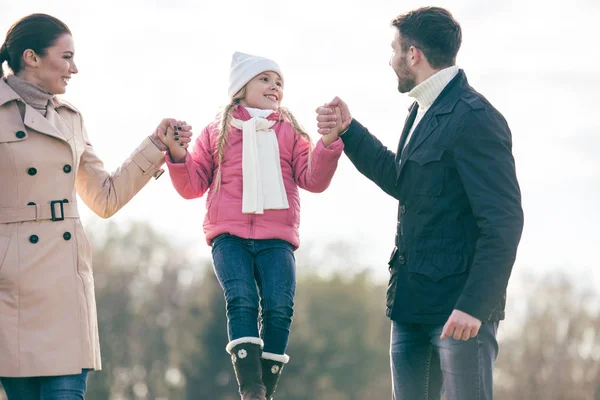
(459, 215)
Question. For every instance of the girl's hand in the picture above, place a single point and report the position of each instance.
(333, 117)
(334, 133)
(177, 138)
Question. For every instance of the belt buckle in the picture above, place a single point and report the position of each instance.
(53, 210)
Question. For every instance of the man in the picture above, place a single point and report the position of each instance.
(459, 215)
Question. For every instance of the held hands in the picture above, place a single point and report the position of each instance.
(176, 136)
(461, 326)
(333, 119)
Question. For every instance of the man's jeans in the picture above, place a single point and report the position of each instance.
(424, 366)
(65, 387)
(250, 269)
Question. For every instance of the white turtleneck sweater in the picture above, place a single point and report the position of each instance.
(427, 91)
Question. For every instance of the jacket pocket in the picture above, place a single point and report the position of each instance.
(393, 268)
(429, 171)
(212, 205)
(84, 249)
(391, 289)
(293, 215)
(5, 238)
(438, 266)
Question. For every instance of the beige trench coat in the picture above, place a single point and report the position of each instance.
(48, 323)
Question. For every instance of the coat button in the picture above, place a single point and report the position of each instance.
(67, 168)
(32, 171)
(34, 239)
(20, 134)
(402, 260)
(402, 209)
(67, 235)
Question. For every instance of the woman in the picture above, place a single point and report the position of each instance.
(48, 324)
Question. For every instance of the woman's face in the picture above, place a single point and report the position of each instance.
(53, 70)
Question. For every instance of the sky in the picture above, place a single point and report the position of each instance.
(536, 61)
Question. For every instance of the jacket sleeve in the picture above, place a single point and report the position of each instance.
(324, 161)
(486, 166)
(371, 157)
(193, 177)
(106, 193)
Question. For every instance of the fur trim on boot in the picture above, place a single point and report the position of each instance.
(272, 365)
(245, 356)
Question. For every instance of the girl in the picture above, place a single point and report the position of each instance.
(252, 160)
(48, 324)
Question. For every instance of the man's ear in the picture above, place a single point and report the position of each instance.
(414, 55)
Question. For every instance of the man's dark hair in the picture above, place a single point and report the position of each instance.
(434, 31)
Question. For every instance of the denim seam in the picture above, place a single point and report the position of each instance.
(262, 301)
(479, 367)
(427, 370)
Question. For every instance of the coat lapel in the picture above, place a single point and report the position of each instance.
(50, 126)
(422, 132)
(408, 123)
(59, 123)
(444, 104)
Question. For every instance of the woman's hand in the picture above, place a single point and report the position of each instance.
(176, 136)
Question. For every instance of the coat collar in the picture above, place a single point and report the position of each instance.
(240, 112)
(444, 104)
(52, 125)
(58, 102)
(7, 95)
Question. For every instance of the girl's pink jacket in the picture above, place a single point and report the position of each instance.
(224, 206)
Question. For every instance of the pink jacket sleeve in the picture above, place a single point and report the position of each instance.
(324, 163)
(193, 177)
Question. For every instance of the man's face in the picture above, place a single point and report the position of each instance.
(407, 79)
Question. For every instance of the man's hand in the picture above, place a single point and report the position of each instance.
(461, 326)
(330, 121)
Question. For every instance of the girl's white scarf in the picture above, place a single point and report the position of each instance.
(263, 187)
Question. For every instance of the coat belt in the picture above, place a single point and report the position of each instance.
(55, 211)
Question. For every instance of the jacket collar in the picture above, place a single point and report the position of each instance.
(240, 112)
(58, 102)
(7, 95)
(444, 104)
(446, 101)
(51, 125)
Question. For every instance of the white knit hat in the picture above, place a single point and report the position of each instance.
(244, 67)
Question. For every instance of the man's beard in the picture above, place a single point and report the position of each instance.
(406, 84)
(406, 78)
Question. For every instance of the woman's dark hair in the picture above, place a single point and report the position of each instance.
(37, 32)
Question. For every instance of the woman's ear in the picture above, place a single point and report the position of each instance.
(30, 58)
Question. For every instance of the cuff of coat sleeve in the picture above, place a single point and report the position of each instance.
(336, 146)
(176, 165)
(352, 131)
(149, 158)
(160, 145)
(474, 308)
